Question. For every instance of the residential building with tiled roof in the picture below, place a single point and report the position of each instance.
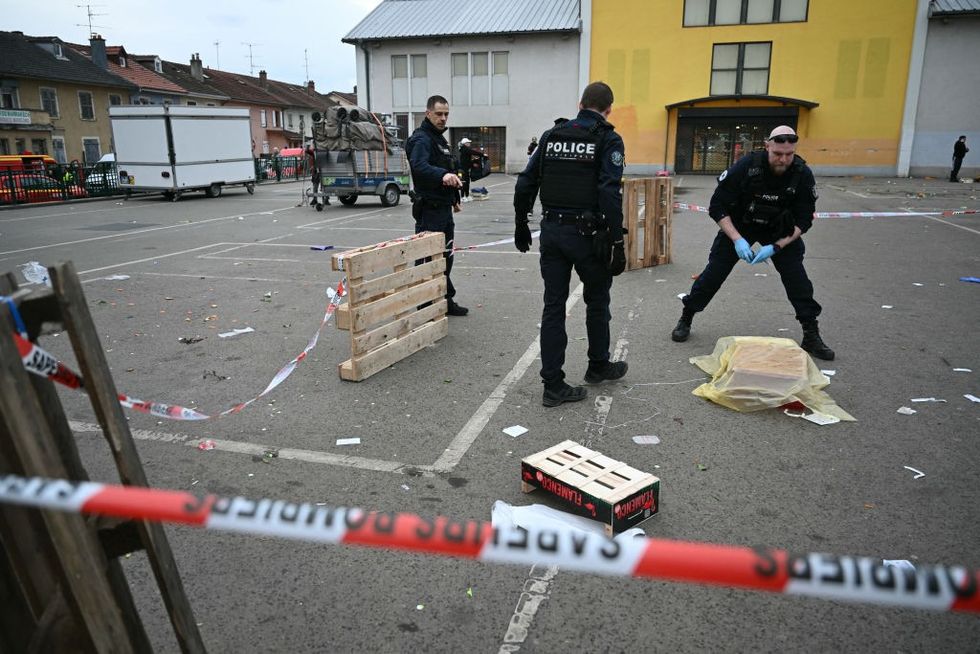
(55, 100)
(195, 80)
(151, 88)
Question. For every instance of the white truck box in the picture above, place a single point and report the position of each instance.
(174, 149)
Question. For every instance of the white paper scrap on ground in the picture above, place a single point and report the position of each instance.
(916, 284)
(236, 332)
(901, 564)
(348, 441)
(918, 473)
(925, 399)
(887, 306)
(116, 278)
(818, 418)
(761, 275)
(829, 373)
(646, 440)
(504, 515)
(906, 411)
(515, 431)
(681, 296)
(972, 398)
(783, 329)
(659, 281)
(962, 370)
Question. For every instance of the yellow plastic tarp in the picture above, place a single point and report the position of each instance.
(752, 373)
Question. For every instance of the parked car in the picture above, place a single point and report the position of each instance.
(27, 187)
(103, 176)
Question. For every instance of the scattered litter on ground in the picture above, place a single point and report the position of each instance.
(818, 418)
(761, 274)
(206, 445)
(681, 296)
(469, 592)
(918, 473)
(829, 373)
(975, 280)
(504, 515)
(236, 332)
(917, 284)
(35, 273)
(348, 441)
(702, 467)
(906, 411)
(972, 398)
(116, 278)
(515, 431)
(419, 607)
(646, 440)
(926, 399)
(659, 281)
(214, 373)
(321, 248)
(887, 306)
(962, 370)
(901, 564)
(406, 487)
(783, 329)
(187, 340)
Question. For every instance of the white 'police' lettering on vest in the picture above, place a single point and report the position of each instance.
(570, 150)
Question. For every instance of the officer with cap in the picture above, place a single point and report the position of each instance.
(436, 184)
(577, 168)
(767, 197)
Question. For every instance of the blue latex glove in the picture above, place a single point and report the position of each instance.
(764, 253)
(744, 250)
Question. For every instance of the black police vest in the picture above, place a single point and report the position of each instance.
(570, 167)
(769, 210)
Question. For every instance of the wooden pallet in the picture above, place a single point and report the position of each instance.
(385, 289)
(648, 208)
(593, 485)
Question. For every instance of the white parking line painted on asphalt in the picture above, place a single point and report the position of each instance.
(946, 222)
(475, 425)
(141, 231)
(208, 256)
(136, 261)
(222, 277)
(71, 213)
(355, 216)
(254, 449)
(484, 268)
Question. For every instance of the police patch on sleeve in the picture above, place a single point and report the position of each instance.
(616, 157)
(721, 177)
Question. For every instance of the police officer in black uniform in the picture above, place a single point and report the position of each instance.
(767, 197)
(578, 166)
(436, 184)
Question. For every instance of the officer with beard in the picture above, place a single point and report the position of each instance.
(436, 184)
(578, 167)
(767, 197)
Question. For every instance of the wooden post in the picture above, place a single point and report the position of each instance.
(648, 207)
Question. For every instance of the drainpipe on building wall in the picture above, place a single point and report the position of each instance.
(585, 44)
(912, 88)
(367, 74)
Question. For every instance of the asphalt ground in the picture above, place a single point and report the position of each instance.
(199, 267)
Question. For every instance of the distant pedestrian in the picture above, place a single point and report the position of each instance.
(532, 146)
(277, 164)
(959, 151)
(465, 159)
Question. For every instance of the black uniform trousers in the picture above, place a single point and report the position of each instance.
(440, 219)
(954, 175)
(564, 248)
(788, 262)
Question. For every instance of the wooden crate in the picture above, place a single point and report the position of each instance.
(648, 208)
(593, 485)
(385, 289)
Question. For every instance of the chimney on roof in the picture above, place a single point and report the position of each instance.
(310, 87)
(99, 57)
(197, 68)
(263, 79)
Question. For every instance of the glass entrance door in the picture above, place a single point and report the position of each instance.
(711, 145)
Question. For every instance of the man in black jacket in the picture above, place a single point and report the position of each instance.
(959, 151)
(436, 184)
(767, 196)
(578, 167)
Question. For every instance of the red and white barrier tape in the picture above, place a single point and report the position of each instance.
(853, 214)
(846, 578)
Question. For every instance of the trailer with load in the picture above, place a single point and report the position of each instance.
(175, 149)
(356, 154)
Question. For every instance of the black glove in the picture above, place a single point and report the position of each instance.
(618, 263)
(522, 234)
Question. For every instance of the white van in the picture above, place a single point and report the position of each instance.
(103, 176)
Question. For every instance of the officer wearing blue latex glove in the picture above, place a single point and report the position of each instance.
(764, 253)
(767, 197)
(744, 250)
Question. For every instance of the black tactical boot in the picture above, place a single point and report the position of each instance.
(812, 342)
(605, 371)
(683, 328)
(555, 394)
(455, 310)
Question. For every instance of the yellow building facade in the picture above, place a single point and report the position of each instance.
(694, 91)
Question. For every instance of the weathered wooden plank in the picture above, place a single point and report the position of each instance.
(394, 351)
(367, 341)
(365, 264)
(365, 316)
(341, 317)
(104, 397)
(373, 288)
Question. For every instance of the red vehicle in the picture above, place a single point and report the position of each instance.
(30, 187)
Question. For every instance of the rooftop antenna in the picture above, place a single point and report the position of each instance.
(217, 55)
(251, 61)
(88, 10)
(307, 60)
